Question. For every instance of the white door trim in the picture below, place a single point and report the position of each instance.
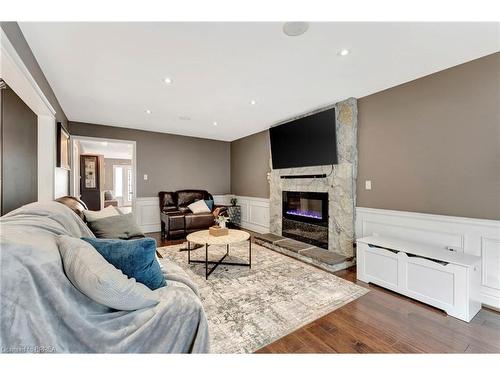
(19, 79)
(15, 73)
(134, 160)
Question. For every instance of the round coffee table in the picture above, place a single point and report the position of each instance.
(203, 237)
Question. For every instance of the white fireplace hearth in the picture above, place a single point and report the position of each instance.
(339, 183)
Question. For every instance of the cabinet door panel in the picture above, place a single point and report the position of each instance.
(381, 267)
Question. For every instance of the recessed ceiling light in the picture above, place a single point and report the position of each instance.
(104, 143)
(295, 28)
(184, 118)
(253, 102)
(148, 111)
(215, 123)
(168, 80)
(344, 52)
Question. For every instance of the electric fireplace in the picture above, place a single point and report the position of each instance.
(305, 217)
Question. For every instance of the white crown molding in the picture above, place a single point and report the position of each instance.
(9, 52)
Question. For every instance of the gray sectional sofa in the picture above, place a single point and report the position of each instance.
(43, 312)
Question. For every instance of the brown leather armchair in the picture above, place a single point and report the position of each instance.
(177, 220)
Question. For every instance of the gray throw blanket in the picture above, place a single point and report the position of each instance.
(41, 311)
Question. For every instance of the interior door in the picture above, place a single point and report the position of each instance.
(90, 181)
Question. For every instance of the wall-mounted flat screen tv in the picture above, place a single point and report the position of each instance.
(308, 141)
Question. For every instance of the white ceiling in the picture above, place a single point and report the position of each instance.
(111, 73)
(110, 150)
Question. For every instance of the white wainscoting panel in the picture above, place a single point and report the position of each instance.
(223, 198)
(254, 212)
(147, 214)
(473, 236)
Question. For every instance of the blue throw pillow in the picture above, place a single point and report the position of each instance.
(135, 258)
(210, 204)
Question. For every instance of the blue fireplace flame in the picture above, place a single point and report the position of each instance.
(305, 213)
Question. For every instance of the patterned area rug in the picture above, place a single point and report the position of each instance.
(250, 308)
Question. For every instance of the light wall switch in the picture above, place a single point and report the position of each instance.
(145, 177)
(368, 184)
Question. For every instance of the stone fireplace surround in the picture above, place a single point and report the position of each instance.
(339, 183)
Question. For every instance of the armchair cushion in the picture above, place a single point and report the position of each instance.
(199, 221)
(168, 201)
(186, 197)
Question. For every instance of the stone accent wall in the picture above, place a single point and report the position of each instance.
(340, 182)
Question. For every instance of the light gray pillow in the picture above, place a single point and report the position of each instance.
(96, 215)
(199, 207)
(92, 275)
(121, 227)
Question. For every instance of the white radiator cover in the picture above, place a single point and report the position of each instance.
(445, 279)
(472, 236)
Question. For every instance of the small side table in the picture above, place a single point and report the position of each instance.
(234, 213)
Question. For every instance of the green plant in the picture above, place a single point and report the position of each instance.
(222, 219)
(234, 201)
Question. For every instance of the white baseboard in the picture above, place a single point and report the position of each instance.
(474, 236)
(254, 212)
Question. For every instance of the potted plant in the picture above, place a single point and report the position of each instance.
(222, 220)
(233, 201)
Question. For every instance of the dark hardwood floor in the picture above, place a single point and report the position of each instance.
(385, 322)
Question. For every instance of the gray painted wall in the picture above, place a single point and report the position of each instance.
(16, 38)
(433, 145)
(250, 165)
(18, 152)
(172, 162)
(22, 48)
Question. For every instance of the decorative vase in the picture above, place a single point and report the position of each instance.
(222, 224)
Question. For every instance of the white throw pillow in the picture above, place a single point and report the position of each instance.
(99, 280)
(96, 215)
(199, 207)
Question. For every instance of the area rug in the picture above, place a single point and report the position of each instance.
(248, 309)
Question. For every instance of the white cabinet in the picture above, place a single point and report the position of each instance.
(445, 279)
(381, 266)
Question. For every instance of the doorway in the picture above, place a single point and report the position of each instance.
(115, 172)
(122, 184)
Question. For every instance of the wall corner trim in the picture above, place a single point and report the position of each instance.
(9, 52)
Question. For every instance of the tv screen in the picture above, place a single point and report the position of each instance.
(304, 142)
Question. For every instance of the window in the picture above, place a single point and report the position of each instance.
(129, 184)
(118, 176)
